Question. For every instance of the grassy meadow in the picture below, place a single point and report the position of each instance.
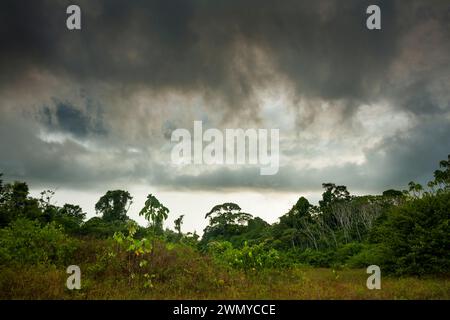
(298, 283)
(181, 273)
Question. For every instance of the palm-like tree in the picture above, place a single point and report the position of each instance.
(155, 212)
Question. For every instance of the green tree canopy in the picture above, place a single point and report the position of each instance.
(393, 193)
(114, 205)
(333, 193)
(16, 203)
(300, 210)
(225, 220)
(70, 217)
(73, 211)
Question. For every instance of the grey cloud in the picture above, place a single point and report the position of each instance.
(322, 47)
(410, 157)
(66, 117)
(223, 51)
(25, 156)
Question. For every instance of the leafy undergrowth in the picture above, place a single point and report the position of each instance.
(123, 267)
(128, 268)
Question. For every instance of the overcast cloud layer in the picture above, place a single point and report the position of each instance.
(94, 108)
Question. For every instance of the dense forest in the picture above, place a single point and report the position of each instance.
(406, 233)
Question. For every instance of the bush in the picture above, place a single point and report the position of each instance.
(368, 255)
(347, 251)
(99, 228)
(247, 257)
(26, 242)
(317, 258)
(415, 237)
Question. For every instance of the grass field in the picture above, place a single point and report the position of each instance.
(297, 283)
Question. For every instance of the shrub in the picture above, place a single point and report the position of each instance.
(317, 258)
(368, 255)
(348, 250)
(415, 237)
(26, 242)
(99, 228)
(247, 257)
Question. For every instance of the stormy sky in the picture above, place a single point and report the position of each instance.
(87, 111)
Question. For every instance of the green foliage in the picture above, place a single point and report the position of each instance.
(155, 212)
(178, 222)
(225, 221)
(130, 244)
(369, 254)
(247, 258)
(190, 239)
(300, 210)
(346, 251)
(442, 176)
(256, 231)
(317, 258)
(333, 193)
(72, 211)
(114, 205)
(26, 242)
(402, 232)
(341, 256)
(15, 203)
(415, 237)
(136, 250)
(393, 193)
(99, 228)
(70, 217)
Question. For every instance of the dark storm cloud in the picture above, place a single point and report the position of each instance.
(391, 164)
(323, 46)
(412, 157)
(224, 51)
(65, 117)
(26, 157)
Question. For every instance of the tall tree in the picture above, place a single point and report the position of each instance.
(288, 229)
(333, 193)
(73, 211)
(225, 221)
(114, 205)
(300, 210)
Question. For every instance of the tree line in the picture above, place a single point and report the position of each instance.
(407, 231)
